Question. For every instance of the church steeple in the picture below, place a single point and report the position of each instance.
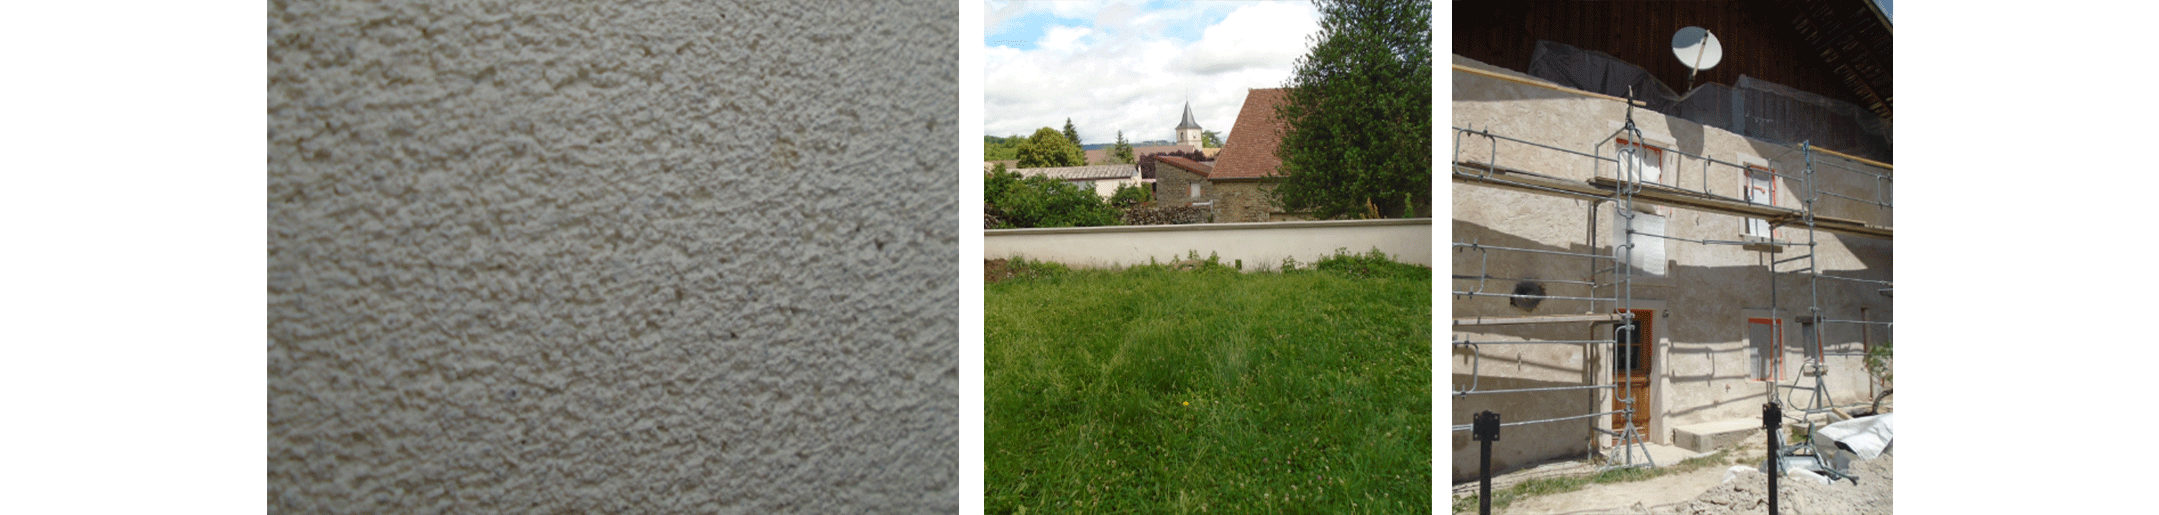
(1188, 132)
(1188, 123)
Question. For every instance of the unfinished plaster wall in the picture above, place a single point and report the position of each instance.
(1703, 296)
(597, 257)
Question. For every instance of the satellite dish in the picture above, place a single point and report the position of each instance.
(1698, 49)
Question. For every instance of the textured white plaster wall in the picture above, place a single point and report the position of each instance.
(567, 257)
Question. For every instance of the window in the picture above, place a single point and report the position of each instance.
(1647, 257)
(1765, 349)
(1811, 341)
(1195, 189)
(1648, 159)
(1761, 188)
(1631, 350)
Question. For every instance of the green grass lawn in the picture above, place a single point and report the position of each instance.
(1160, 390)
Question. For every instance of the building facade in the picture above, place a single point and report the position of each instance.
(1629, 271)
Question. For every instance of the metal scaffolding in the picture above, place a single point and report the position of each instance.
(1611, 278)
(1818, 402)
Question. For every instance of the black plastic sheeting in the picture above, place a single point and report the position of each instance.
(1754, 108)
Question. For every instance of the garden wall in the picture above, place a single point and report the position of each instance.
(1259, 245)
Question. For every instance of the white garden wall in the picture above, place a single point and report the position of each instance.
(1259, 245)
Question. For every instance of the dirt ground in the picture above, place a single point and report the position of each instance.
(1704, 492)
(994, 270)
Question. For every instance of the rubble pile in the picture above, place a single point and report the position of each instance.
(1748, 492)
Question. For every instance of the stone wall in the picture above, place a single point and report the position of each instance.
(1172, 186)
(1246, 201)
(598, 257)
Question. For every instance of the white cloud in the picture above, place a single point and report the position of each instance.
(1063, 39)
(1134, 69)
(1253, 36)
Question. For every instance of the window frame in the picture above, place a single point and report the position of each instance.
(1776, 344)
(1746, 189)
(1625, 145)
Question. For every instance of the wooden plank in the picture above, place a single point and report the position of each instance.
(1521, 180)
(1537, 319)
(1656, 194)
(1553, 87)
(1870, 162)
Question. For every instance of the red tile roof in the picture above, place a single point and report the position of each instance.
(1249, 153)
(1195, 167)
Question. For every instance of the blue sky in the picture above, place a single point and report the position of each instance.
(1023, 26)
(1131, 65)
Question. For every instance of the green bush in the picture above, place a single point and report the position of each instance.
(1128, 195)
(1043, 202)
(1880, 362)
(1371, 264)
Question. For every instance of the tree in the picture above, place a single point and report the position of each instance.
(1120, 153)
(1073, 134)
(1208, 139)
(1129, 195)
(1039, 201)
(1048, 148)
(1358, 137)
(1001, 149)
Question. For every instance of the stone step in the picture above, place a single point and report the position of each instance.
(1710, 436)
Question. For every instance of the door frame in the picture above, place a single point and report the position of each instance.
(1646, 372)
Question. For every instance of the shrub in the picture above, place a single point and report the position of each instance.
(1372, 264)
(1128, 195)
(1042, 202)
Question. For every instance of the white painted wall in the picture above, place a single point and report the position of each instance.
(607, 257)
(1258, 244)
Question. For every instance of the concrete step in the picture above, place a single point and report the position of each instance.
(1710, 436)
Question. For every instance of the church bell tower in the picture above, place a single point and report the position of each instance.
(1188, 132)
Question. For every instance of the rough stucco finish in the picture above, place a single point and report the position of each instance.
(554, 257)
(1701, 372)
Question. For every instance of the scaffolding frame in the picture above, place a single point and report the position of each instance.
(1622, 189)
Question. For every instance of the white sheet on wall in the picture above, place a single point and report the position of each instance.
(1649, 251)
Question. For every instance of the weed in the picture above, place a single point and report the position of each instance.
(1152, 389)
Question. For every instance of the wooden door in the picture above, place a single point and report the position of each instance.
(1631, 365)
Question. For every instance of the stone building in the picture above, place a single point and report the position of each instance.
(1182, 182)
(1246, 169)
